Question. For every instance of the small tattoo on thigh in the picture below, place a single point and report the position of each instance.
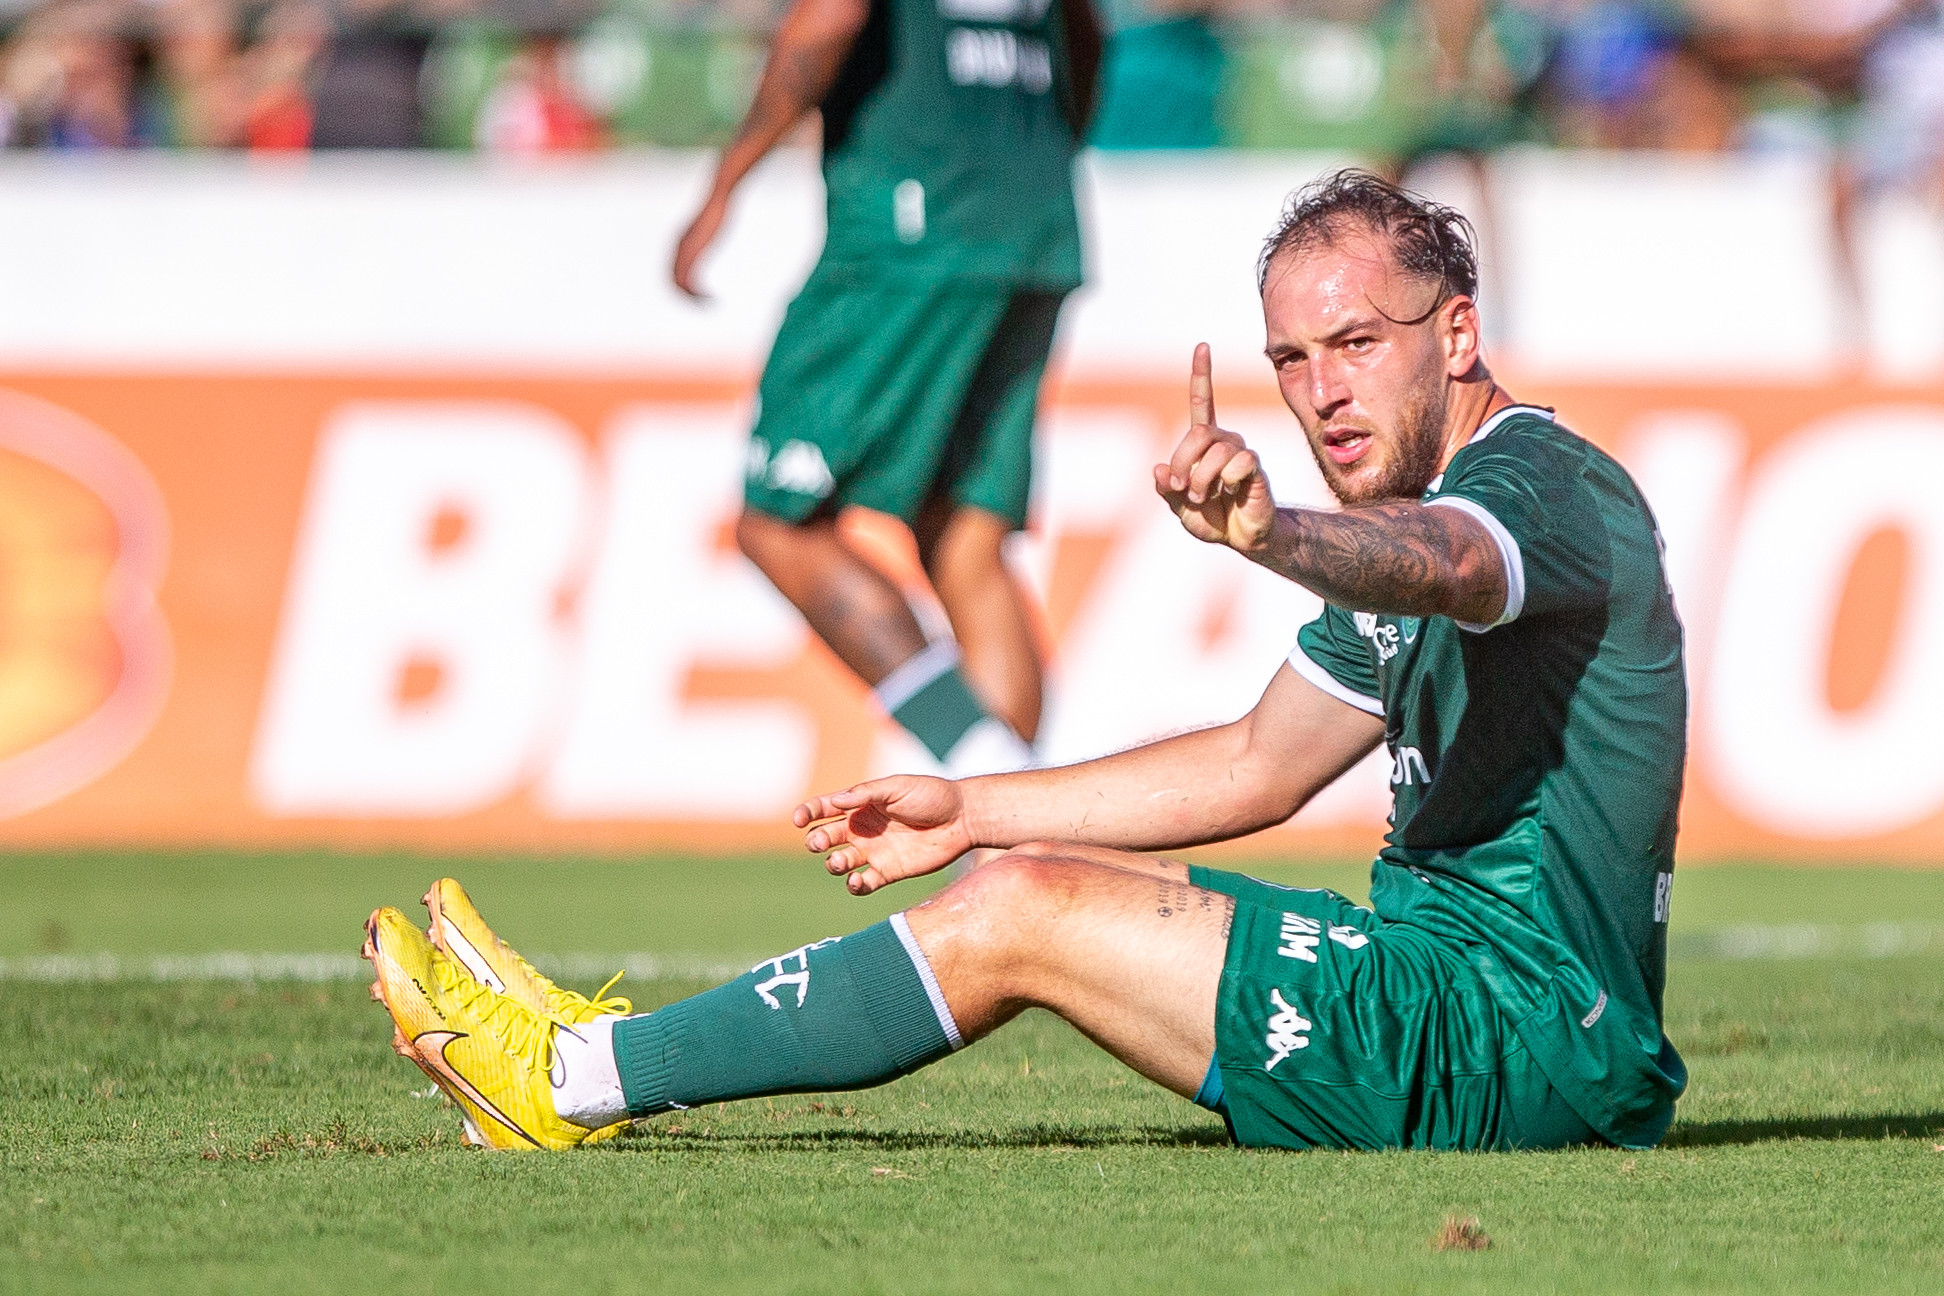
(1173, 898)
(1228, 916)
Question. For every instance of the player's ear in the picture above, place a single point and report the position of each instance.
(1458, 330)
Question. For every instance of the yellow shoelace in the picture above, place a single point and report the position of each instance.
(569, 1003)
(520, 1031)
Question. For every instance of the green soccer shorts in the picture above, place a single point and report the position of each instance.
(1336, 1029)
(889, 394)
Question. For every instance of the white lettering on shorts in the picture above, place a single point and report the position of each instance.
(1663, 896)
(1288, 1031)
(1599, 1006)
(792, 969)
(1348, 937)
(1300, 937)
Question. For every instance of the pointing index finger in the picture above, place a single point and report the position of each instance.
(1201, 389)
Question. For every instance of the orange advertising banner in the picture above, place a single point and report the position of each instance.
(475, 613)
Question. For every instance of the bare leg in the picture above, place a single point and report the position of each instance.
(848, 602)
(1130, 957)
(962, 550)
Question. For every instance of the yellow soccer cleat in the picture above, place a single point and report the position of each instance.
(491, 1054)
(460, 933)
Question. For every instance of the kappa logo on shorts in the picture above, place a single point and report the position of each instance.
(1288, 1031)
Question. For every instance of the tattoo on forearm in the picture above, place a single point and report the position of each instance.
(1403, 559)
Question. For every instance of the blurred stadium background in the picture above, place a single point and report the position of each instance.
(365, 485)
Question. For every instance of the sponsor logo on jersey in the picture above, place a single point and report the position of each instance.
(1383, 638)
(1408, 767)
(789, 970)
(1288, 1031)
(994, 11)
(994, 56)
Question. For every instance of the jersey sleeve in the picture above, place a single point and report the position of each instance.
(1333, 656)
(1529, 492)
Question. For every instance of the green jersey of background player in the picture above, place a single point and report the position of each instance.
(1497, 616)
(906, 373)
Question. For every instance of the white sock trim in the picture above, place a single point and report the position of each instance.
(932, 992)
(916, 671)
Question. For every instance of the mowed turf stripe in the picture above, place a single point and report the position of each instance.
(321, 967)
(1746, 941)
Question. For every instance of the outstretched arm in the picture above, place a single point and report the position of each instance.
(1401, 557)
(810, 46)
(1210, 785)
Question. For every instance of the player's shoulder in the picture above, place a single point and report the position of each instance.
(1534, 440)
(1529, 451)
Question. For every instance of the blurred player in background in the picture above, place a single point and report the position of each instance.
(906, 375)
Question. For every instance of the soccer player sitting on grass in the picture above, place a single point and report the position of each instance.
(1497, 616)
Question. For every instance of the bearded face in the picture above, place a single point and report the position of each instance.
(1360, 357)
(1400, 462)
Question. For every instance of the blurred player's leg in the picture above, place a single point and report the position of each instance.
(865, 620)
(851, 605)
(963, 552)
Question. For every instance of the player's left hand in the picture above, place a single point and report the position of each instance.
(1214, 483)
(695, 241)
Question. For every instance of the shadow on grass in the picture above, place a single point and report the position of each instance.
(1032, 1136)
(1928, 1125)
(1826, 1128)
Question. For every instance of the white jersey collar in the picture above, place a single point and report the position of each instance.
(1491, 424)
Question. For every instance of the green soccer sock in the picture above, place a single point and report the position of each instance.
(845, 1013)
(929, 697)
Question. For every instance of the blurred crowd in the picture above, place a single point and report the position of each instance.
(1393, 79)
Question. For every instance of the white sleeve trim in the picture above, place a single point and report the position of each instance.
(1508, 548)
(1304, 665)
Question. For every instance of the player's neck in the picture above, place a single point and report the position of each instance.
(1473, 404)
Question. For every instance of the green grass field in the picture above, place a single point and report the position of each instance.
(167, 1130)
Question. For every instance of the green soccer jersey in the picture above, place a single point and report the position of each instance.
(948, 145)
(1536, 764)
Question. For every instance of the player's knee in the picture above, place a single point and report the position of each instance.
(1016, 896)
(968, 550)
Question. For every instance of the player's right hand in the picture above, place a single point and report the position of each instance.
(1214, 483)
(695, 241)
(886, 830)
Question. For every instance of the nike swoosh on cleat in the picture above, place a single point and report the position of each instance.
(435, 1060)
